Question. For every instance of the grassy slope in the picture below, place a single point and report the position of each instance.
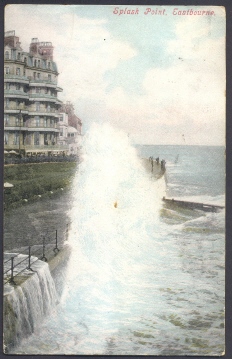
(31, 180)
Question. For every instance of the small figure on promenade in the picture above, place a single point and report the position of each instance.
(157, 160)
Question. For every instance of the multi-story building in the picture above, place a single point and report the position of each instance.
(30, 97)
(63, 128)
(69, 135)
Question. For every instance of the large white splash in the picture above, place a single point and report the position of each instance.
(115, 217)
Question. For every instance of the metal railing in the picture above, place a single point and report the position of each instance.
(42, 253)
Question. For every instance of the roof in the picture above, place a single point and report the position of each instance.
(72, 129)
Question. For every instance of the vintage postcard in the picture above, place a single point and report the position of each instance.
(114, 180)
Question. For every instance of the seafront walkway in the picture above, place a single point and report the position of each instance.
(18, 266)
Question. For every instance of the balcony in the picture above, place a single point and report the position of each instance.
(42, 97)
(14, 125)
(15, 94)
(42, 113)
(16, 79)
(41, 128)
(58, 101)
(42, 82)
(16, 109)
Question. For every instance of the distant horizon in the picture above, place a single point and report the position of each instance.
(138, 144)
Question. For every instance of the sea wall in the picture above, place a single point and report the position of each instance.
(33, 297)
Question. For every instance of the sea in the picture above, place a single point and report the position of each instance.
(143, 278)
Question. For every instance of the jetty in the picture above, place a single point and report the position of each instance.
(193, 205)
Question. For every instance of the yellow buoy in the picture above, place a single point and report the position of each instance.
(115, 204)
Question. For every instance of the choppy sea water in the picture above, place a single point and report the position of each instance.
(142, 278)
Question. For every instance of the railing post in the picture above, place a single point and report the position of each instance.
(43, 257)
(56, 249)
(12, 271)
(29, 259)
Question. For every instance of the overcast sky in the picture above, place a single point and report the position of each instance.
(160, 78)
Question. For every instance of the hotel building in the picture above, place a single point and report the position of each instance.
(31, 105)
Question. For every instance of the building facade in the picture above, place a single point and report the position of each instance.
(74, 141)
(69, 136)
(63, 130)
(31, 105)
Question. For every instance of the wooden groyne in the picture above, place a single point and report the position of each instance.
(154, 167)
(193, 205)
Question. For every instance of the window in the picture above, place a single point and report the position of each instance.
(38, 75)
(7, 70)
(7, 86)
(18, 71)
(46, 139)
(34, 75)
(7, 102)
(49, 77)
(25, 60)
(7, 55)
(38, 63)
(45, 122)
(19, 56)
(37, 106)
(37, 121)
(38, 90)
(46, 90)
(53, 139)
(48, 108)
(6, 119)
(27, 140)
(6, 138)
(16, 121)
(49, 65)
(36, 138)
(35, 63)
(16, 138)
(17, 86)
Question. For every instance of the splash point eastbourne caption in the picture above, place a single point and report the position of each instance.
(151, 11)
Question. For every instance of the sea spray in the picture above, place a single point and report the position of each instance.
(116, 206)
(115, 230)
